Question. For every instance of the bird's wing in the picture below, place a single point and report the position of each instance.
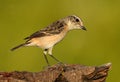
(54, 28)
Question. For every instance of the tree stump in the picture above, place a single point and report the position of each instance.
(60, 73)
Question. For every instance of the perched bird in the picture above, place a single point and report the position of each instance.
(47, 37)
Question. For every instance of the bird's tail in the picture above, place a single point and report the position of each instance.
(19, 46)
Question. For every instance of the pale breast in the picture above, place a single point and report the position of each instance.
(48, 41)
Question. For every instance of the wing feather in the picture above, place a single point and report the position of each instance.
(54, 28)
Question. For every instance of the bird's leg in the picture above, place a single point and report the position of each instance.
(54, 58)
(50, 54)
(45, 53)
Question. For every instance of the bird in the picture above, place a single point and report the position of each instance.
(49, 36)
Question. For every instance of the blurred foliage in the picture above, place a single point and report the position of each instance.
(99, 45)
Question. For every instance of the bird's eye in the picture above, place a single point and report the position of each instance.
(77, 20)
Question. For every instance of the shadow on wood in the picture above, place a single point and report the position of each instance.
(60, 73)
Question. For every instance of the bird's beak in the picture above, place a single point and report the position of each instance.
(83, 28)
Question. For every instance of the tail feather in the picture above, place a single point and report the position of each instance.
(21, 45)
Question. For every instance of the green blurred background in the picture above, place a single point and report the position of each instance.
(99, 45)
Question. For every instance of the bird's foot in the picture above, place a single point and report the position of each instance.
(61, 63)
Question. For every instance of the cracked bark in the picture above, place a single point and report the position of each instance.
(60, 73)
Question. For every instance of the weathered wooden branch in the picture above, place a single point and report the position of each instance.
(60, 73)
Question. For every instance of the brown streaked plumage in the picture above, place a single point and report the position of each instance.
(54, 28)
(47, 37)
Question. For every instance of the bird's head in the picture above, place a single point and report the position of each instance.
(74, 22)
